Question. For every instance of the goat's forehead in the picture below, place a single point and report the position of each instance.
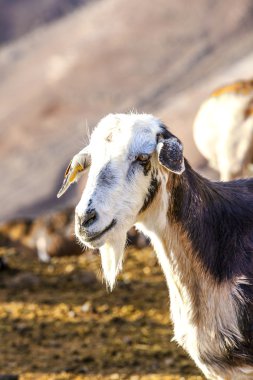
(128, 133)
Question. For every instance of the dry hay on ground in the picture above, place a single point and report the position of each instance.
(59, 322)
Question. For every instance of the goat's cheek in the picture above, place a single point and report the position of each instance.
(140, 191)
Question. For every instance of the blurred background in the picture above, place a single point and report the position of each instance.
(64, 64)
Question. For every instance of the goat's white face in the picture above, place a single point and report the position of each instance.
(124, 155)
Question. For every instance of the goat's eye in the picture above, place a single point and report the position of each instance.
(143, 157)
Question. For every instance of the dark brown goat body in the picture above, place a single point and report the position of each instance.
(215, 219)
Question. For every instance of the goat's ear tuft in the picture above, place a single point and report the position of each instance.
(170, 154)
(77, 165)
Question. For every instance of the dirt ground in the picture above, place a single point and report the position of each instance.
(58, 321)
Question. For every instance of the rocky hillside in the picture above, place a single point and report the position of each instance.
(21, 17)
(109, 56)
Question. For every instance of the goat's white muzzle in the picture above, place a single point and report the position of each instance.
(90, 231)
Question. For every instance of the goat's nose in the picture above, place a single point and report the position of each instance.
(88, 219)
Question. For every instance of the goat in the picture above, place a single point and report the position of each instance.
(202, 233)
(223, 130)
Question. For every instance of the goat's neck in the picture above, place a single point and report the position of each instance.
(183, 219)
(183, 269)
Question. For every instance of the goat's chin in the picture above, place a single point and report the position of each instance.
(112, 253)
(96, 244)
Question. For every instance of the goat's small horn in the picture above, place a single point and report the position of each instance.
(69, 178)
(64, 188)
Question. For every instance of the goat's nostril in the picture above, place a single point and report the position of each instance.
(88, 218)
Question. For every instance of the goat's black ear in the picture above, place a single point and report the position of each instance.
(77, 166)
(170, 153)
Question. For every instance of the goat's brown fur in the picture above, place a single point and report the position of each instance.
(211, 308)
(241, 87)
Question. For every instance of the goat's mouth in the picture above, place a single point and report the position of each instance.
(97, 235)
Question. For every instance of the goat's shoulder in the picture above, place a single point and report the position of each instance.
(217, 218)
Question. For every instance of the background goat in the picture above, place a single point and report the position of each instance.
(202, 233)
(223, 129)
